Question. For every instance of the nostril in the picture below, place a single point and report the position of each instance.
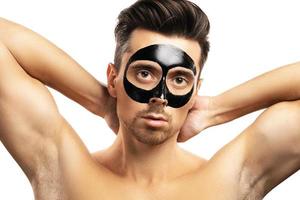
(156, 100)
(153, 100)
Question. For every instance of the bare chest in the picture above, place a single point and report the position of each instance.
(93, 187)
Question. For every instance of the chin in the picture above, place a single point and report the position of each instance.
(151, 140)
(147, 132)
(151, 137)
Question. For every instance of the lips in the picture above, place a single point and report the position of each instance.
(156, 121)
(155, 116)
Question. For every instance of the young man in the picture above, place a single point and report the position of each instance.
(161, 49)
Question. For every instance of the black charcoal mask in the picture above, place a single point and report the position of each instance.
(162, 71)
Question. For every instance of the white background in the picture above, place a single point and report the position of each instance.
(247, 39)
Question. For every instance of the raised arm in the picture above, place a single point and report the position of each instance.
(272, 143)
(280, 84)
(47, 63)
(269, 149)
(31, 127)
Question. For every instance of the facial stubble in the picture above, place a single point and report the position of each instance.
(147, 134)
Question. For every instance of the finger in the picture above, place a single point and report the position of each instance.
(116, 128)
(180, 139)
(183, 137)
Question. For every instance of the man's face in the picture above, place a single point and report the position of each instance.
(156, 85)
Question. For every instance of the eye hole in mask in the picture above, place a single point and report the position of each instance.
(144, 74)
(180, 81)
(162, 71)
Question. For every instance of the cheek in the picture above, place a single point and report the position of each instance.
(126, 107)
(179, 116)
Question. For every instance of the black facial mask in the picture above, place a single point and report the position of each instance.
(167, 59)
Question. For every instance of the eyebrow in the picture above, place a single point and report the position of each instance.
(139, 63)
(185, 72)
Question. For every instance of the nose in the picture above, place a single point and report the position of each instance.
(158, 101)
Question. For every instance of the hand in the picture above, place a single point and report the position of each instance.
(199, 118)
(110, 115)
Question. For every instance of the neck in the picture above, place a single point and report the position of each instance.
(146, 164)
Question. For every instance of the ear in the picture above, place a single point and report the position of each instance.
(111, 74)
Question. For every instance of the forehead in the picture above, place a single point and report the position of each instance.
(141, 38)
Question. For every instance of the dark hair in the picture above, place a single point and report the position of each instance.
(169, 17)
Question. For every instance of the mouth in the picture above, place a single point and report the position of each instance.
(154, 116)
(155, 120)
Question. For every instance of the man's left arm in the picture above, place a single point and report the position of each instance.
(272, 142)
(280, 84)
(271, 145)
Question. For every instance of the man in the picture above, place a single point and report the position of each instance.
(154, 82)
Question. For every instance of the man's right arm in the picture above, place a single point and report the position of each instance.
(30, 123)
(31, 127)
(47, 63)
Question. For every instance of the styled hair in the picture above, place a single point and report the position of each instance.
(169, 17)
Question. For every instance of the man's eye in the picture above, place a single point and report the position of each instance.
(180, 81)
(144, 73)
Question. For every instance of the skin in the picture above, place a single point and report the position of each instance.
(59, 166)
